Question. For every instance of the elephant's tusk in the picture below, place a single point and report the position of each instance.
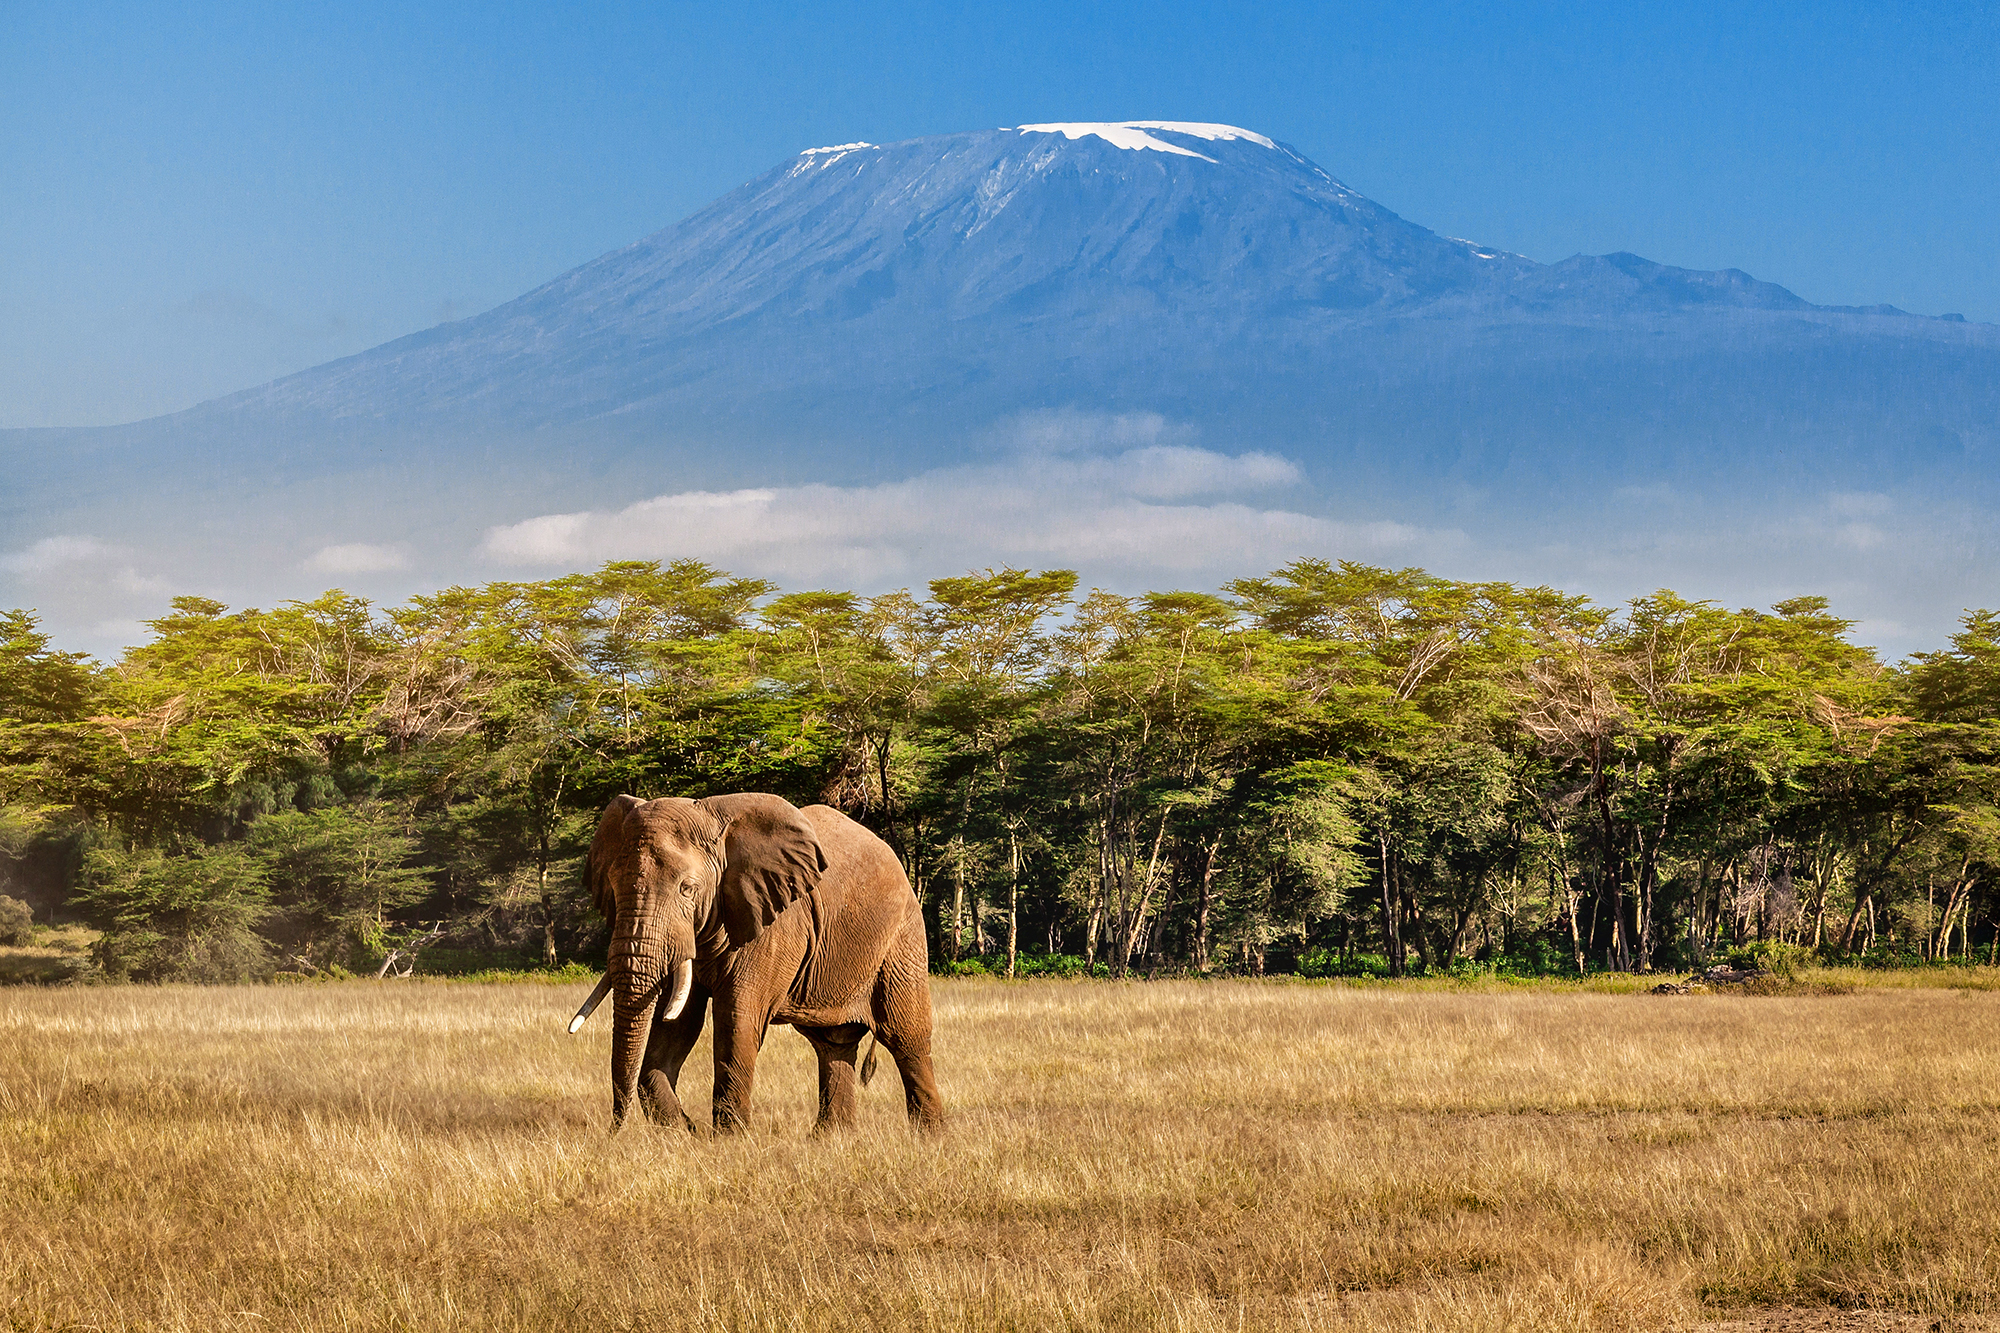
(596, 998)
(683, 983)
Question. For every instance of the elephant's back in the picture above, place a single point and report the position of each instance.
(856, 858)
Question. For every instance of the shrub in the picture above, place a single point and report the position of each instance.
(1048, 965)
(1780, 960)
(1539, 957)
(1325, 962)
(178, 918)
(17, 923)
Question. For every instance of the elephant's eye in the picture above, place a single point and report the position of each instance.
(687, 888)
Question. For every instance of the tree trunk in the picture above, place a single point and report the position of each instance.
(548, 904)
(1013, 899)
(958, 898)
(1392, 943)
(1649, 874)
(1456, 944)
(1861, 902)
(1202, 909)
(1575, 938)
(1960, 884)
(1417, 931)
(1098, 898)
(1822, 882)
(1163, 925)
(1620, 936)
(1143, 898)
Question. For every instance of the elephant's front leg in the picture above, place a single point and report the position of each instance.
(739, 1034)
(666, 1051)
(837, 1048)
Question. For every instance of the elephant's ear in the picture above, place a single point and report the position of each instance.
(771, 858)
(612, 841)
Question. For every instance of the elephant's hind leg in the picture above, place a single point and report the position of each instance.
(903, 1024)
(837, 1048)
(666, 1051)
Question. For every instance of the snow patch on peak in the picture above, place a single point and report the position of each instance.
(1132, 134)
(1128, 136)
(821, 158)
(1481, 251)
(1202, 130)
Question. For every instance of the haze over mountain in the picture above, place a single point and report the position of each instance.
(1162, 351)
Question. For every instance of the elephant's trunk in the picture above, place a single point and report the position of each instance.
(637, 963)
(633, 1020)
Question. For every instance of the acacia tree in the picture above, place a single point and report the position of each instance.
(987, 657)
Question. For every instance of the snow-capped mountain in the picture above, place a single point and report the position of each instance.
(863, 313)
(909, 295)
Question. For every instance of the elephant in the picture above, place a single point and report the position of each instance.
(777, 914)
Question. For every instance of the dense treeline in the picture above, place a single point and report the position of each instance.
(1335, 768)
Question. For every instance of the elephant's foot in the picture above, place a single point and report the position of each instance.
(920, 1091)
(663, 1105)
(836, 1100)
(734, 1081)
(836, 1094)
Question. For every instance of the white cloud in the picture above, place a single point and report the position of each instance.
(1860, 536)
(129, 580)
(1168, 508)
(1172, 472)
(53, 553)
(1859, 504)
(355, 558)
(1072, 430)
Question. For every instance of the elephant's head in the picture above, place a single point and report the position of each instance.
(681, 880)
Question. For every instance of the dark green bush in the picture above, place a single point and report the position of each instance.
(1331, 963)
(178, 918)
(1048, 965)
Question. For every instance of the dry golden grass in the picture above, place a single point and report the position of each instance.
(56, 956)
(1169, 1155)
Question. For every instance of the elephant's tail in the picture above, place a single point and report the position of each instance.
(868, 1062)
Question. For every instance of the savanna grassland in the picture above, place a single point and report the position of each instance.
(1175, 1155)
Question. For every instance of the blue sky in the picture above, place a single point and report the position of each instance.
(200, 197)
